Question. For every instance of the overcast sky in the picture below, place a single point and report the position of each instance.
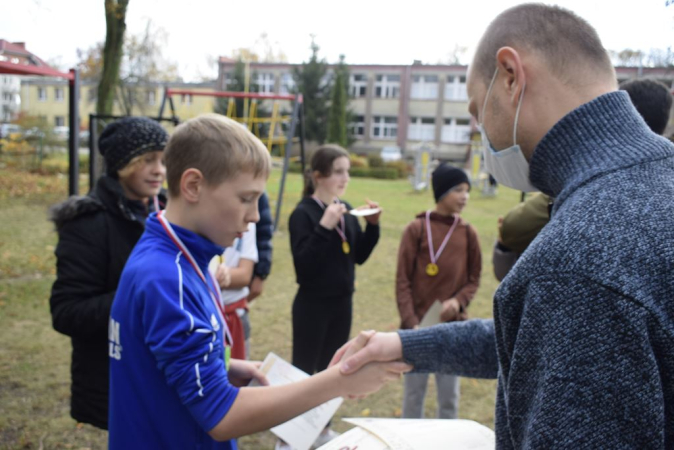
(367, 32)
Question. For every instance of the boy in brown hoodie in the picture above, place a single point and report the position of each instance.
(439, 260)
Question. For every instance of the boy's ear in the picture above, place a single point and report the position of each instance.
(191, 184)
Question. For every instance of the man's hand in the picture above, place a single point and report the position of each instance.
(450, 310)
(241, 372)
(256, 287)
(380, 347)
(223, 275)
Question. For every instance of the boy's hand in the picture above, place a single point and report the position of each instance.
(450, 310)
(372, 377)
(374, 218)
(223, 275)
(241, 372)
(332, 214)
(256, 286)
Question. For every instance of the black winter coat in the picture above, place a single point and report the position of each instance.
(96, 235)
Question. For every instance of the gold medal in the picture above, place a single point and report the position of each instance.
(346, 248)
(432, 269)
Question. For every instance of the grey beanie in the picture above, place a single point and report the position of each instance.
(126, 138)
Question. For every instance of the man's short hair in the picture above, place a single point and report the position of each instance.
(567, 43)
(217, 146)
(653, 101)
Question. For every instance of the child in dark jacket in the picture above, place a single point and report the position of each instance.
(96, 235)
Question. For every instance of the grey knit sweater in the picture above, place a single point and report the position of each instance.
(582, 340)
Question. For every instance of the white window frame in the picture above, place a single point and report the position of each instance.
(387, 86)
(151, 97)
(456, 130)
(186, 99)
(455, 88)
(357, 127)
(41, 94)
(424, 87)
(60, 121)
(384, 127)
(265, 82)
(357, 85)
(58, 94)
(421, 129)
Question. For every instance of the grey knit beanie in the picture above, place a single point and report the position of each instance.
(126, 138)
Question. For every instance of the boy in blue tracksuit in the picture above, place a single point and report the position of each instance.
(172, 384)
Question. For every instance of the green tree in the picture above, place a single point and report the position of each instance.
(338, 112)
(311, 80)
(115, 21)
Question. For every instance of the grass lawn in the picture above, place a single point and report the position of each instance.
(34, 359)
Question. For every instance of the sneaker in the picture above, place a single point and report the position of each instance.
(281, 445)
(326, 436)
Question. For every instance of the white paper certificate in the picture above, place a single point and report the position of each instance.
(303, 430)
(420, 434)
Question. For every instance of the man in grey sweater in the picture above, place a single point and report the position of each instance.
(582, 340)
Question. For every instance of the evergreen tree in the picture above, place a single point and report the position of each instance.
(338, 114)
(311, 81)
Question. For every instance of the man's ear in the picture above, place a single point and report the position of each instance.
(191, 185)
(509, 63)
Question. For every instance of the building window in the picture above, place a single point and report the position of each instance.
(357, 85)
(58, 94)
(152, 98)
(265, 82)
(186, 99)
(387, 86)
(59, 121)
(421, 129)
(229, 80)
(455, 88)
(357, 126)
(287, 83)
(424, 87)
(385, 127)
(7, 97)
(92, 94)
(456, 131)
(42, 94)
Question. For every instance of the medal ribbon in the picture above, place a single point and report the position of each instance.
(214, 293)
(342, 232)
(434, 257)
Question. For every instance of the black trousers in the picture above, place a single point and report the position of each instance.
(320, 327)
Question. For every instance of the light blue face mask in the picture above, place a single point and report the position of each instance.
(508, 166)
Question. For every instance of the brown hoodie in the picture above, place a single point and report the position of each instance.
(459, 266)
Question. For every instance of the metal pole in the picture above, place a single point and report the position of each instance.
(74, 138)
(302, 128)
(286, 160)
(93, 154)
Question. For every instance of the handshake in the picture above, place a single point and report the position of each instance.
(367, 362)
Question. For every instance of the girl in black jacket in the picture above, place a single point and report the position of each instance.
(96, 235)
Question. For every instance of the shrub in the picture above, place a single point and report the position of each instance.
(374, 172)
(358, 161)
(375, 160)
(401, 166)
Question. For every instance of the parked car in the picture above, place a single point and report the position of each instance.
(61, 133)
(391, 154)
(9, 128)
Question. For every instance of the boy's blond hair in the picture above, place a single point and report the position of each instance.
(218, 147)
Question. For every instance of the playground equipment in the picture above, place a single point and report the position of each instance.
(421, 176)
(268, 129)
